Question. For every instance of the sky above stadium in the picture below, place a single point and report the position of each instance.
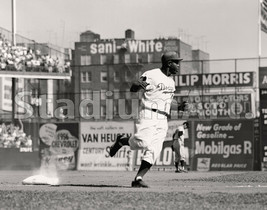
(223, 28)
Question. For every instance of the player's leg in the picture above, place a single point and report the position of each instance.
(176, 164)
(138, 181)
(176, 156)
(182, 160)
(120, 142)
(183, 166)
(157, 136)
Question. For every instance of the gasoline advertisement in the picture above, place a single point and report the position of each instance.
(263, 112)
(58, 145)
(96, 139)
(218, 106)
(166, 157)
(223, 145)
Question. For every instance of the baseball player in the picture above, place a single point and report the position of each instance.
(151, 127)
(178, 147)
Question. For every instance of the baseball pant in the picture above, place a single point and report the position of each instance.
(151, 131)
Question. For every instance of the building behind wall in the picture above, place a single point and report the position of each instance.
(101, 65)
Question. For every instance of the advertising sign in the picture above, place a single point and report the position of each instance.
(219, 106)
(132, 46)
(263, 111)
(112, 46)
(59, 142)
(233, 79)
(95, 141)
(263, 77)
(166, 158)
(223, 145)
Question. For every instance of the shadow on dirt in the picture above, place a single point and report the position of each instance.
(92, 185)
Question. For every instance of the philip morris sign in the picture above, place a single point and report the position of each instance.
(223, 145)
(233, 79)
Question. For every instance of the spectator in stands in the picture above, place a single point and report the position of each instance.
(21, 58)
(13, 136)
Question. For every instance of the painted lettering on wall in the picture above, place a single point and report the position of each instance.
(218, 79)
(132, 46)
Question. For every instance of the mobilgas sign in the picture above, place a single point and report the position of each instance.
(263, 111)
(216, 79)
(223, 145)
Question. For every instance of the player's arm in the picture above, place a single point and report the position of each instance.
(174, 137)
(139, 84)
(179, 106)
(180, 131)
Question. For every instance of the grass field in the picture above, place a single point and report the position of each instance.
(111, 190)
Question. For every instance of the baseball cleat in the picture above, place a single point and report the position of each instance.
(116, 146)
(183, 171)
(139, 184)
(178, 171)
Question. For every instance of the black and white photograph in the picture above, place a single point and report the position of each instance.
(131, 104)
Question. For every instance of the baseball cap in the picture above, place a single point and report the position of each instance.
(186, 123)
(170, 56)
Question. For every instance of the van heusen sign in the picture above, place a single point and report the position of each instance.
(233, 79)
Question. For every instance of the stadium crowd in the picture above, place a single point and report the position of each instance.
(21, 58)
(12, 136)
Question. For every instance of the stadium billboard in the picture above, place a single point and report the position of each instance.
(166, 158)
(223, 145)
(58, 145)
(95, 141)
(263, 77)
(219, 106)
(263, 122)
(232, 79)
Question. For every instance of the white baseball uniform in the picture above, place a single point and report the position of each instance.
(178, 144)
(152, 125)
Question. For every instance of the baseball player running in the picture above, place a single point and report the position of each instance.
(151, 126)
(178, 147)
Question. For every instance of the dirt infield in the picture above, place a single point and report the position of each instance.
(111, 190)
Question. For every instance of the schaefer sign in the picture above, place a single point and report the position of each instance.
(234, 79)
(230, 105)
(95, 141)
(223, 145)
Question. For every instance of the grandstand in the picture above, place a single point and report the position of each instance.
(32, 66)
(29, 59)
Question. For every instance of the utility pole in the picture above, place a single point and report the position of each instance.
(14, 80)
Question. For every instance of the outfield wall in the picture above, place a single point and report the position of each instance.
(210, 145)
